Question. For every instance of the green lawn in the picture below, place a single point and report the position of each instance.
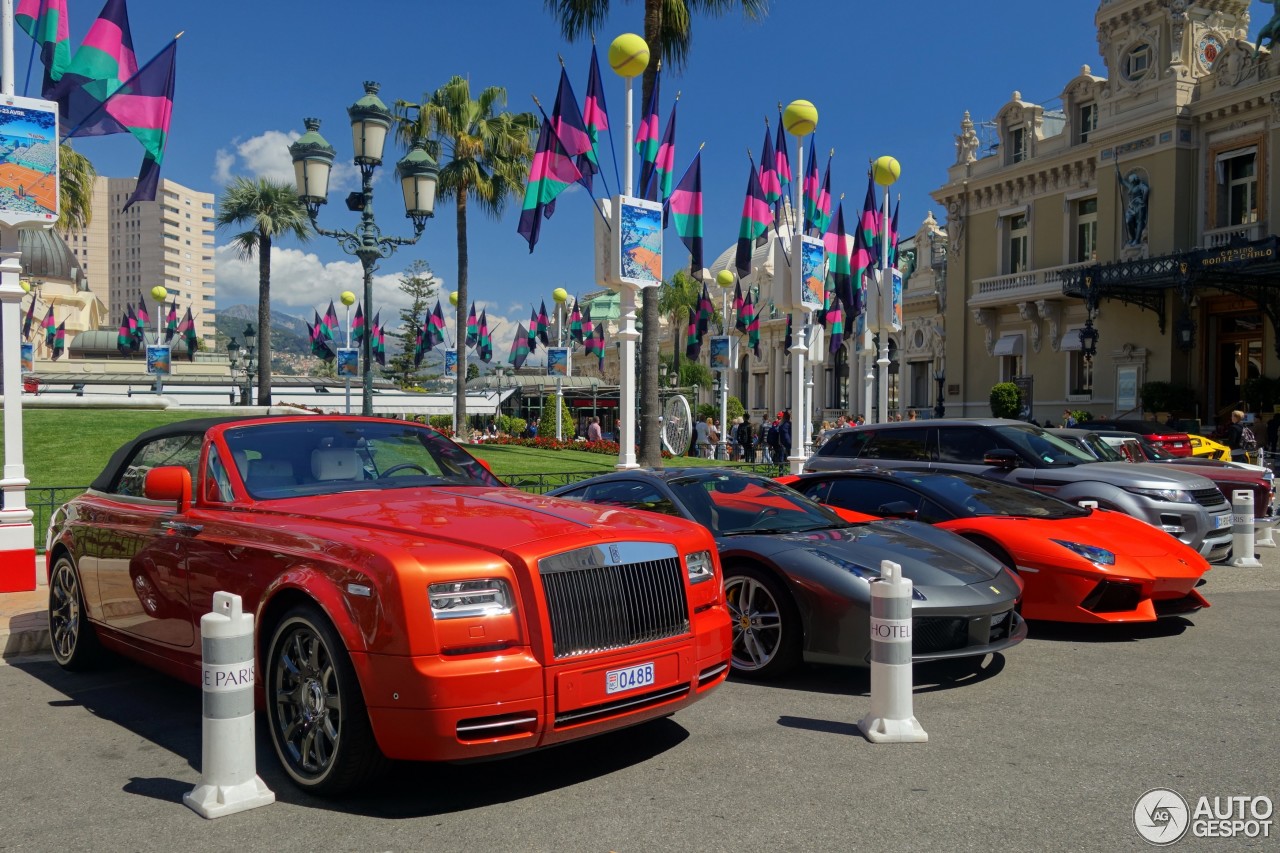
(69, 447)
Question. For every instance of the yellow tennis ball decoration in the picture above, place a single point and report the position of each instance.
(159, 293)
(886, 171)
(800, 118)
(453, 299)
(26, 285)
(628, 55)
(348, 298)
(724, 278)
(560, 295)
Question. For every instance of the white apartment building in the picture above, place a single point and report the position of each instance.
(169, 241)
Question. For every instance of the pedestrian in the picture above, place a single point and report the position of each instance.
(1235, 436)
(713, 439)
(1068, 419)
(593, 430)
(912, 416)
(747, 438)
(1273, 432)
(784, 437)
(703, 437)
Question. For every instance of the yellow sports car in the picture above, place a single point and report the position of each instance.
(1209, 449)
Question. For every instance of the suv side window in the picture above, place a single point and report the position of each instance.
(846, 444)
(910, 444)
(965, 444)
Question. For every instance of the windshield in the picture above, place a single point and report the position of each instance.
(282, 460)
(1102, 450)
(1049, 450)
(987, 498)
(729, 504)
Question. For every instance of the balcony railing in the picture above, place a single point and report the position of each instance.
(1017, 287)
(1218, 237)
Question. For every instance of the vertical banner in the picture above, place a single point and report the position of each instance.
(895, 317)
(28, 357)
(159, 360)
(813, 274)
(721, 353)
(558, 363)
(348, 363)
(28, 161)
(638, 242)
(450, 363)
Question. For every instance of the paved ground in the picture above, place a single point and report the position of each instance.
(1048, 749)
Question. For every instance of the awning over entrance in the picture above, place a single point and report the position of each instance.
(1008, 345)
(1071, 340)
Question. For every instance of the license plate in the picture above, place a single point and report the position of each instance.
(631, 678)
(1221, 521)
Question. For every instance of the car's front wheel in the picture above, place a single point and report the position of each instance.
(315, 710)
(75, 645)
(766, 625)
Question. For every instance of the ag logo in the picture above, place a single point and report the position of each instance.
(1161, 816)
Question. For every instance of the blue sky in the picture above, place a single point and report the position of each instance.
(249, 72)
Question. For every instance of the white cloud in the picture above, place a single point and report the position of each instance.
(267, 156)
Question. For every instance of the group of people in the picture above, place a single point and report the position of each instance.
(769, 442)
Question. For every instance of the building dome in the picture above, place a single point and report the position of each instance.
(45, 256)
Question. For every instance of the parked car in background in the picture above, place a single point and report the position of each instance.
(407, 604)
(796, 573)
(1077, 565)
(1227, 476)
(1174, 441)
(1202, 446)
(1180, 502)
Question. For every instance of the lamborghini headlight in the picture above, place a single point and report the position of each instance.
(699, 566)
(1092, 553)
(459, 599)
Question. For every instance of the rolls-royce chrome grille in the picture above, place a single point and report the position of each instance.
(613, 596)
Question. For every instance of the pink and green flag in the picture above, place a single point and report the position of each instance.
(595, 115)
(435, 333)
(60, 340)
(706, 311)
(519, 347)
(379, 343)
(144, 107)
(188, 330)
(575, 323)
(144, 317)
(741, 322)
(473, 328)
(753, 325)
(782, 160)
(756, 219)
(484, 340)
(544, 325)
(533, 330)
(588, 325)
(171, 323)
(46, 22)
(29, 320)
(103, 63)
(685, 208)
(692, 339)
(124, 337)
(822, 205)
(647, 136)
(769, 171)
(551, 172)
(664, 165)
(811, 189)
(871, 225)
(599, 338)
(134, 334)
(357, 326)
(893, 235)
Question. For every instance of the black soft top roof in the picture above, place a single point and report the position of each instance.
(194, 426)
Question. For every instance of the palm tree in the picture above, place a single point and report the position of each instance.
(484, 154)
(670, 38)
(271, 209)
(75, 188)
(680, 294)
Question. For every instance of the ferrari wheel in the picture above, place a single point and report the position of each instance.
(75, 645)
(766, 626)
(315, 711)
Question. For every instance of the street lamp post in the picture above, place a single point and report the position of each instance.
(940, 376)
(560, 295)
(244, 361)
(312, 162)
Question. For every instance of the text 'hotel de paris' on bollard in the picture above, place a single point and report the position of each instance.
(891, 718)
(1242, 529)
(229, 780)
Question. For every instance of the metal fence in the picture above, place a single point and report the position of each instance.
(43, 502)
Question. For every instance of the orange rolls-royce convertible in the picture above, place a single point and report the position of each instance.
(408, 605)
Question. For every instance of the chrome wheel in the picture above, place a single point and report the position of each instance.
(315, 711)
(72, 639)
(766, 640)
(308, 701)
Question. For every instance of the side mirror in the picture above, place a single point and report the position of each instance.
(169, 483)
(1006, 459)
(897, 509)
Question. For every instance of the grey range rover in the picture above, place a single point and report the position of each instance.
(1182, 503)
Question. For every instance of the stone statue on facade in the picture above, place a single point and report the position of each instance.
(1137, 192)
(966, 142)
(1271, 30)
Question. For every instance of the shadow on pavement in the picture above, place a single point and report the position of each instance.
(1120, 633)
(166, 712)
(927, 677)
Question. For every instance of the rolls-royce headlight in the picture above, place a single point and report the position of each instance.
(458, 599)
(699, 566)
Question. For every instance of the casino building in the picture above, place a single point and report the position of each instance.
(1125, 235)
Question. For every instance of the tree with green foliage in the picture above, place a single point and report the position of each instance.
(272, 210)
(419, 284)
(1006, 400)
(75, 189)
(473, 371)
(547, 420)
(484, 154)
(676, 298)
(669, 34)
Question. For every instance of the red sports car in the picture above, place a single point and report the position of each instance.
(1077, 565)
(408, 605)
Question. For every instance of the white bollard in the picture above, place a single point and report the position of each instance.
(891, 718)
(229, 780)
(1262, 530)
(1242, 529)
